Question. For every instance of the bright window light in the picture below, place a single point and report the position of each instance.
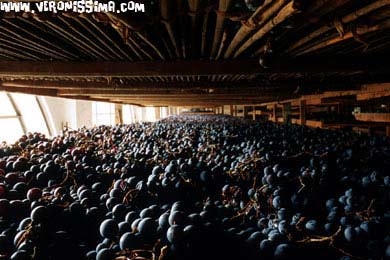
(103, 113)
(30, 117)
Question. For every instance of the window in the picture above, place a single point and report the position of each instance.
(150, 114)
(20, 113)
(103, 113)
(133, 114)
(33, 117)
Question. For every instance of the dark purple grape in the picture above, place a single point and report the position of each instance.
(20, 255)
(255, 238)
(350, 234)
(39, 214)
(124, 227)
(131, 216)
(176, 217)
(128, 241)
(91, 255)
(135, 223)
(146, 213)
(34, 194)
(266, 247)
(119, 211)
(105, 254)
(147, 227)
(108, 229)
(175, 234)
(163, 221)
(312, 226)
(284, 251)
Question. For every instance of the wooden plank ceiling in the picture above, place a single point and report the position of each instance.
(198, 52)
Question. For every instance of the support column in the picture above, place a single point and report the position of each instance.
(274, 111)
(254, 113)
(118, 114)
(231, 110)
(158, 113)
(302, 112)
(388, 130)
(287, 113)
(222, 110)
(245, 111)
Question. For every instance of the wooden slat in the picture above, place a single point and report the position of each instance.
(191, 67)
(127, 69)
(373, 117)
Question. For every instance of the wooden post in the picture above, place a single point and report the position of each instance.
(254, 113)
(274, 111)
(287, 113)
(118, 114)
(235, 111)
(231, 110)
(245, 111)
(302, 112)
(158, 113)
(222, 110)
(388, 130)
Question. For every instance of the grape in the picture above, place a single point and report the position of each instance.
(207, 187)
(105, 254)
(127, 241)
(3, 191)
(276, 202)
(108, 229)
(176, 217)
(39, 214)
(147, 227)
(350, 234)
(283, 227)
(131, 216)
(146, 213)
(123, 227)
(266, 247)
(283, 251)
(255, 238)
(163, 221)
(20, 255)
(311, 226)
(175, 234)
(119, 211)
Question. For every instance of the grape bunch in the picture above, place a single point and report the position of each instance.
(196, 187)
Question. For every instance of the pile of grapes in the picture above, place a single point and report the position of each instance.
(196, 187)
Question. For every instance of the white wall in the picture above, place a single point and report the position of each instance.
(74, 113)
(84, 113)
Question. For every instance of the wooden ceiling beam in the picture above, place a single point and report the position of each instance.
(184, 98)
(127, 69)
(69, 86)
(50, 93)
(191, 67)
(29, 90)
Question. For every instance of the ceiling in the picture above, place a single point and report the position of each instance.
(198, 52)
